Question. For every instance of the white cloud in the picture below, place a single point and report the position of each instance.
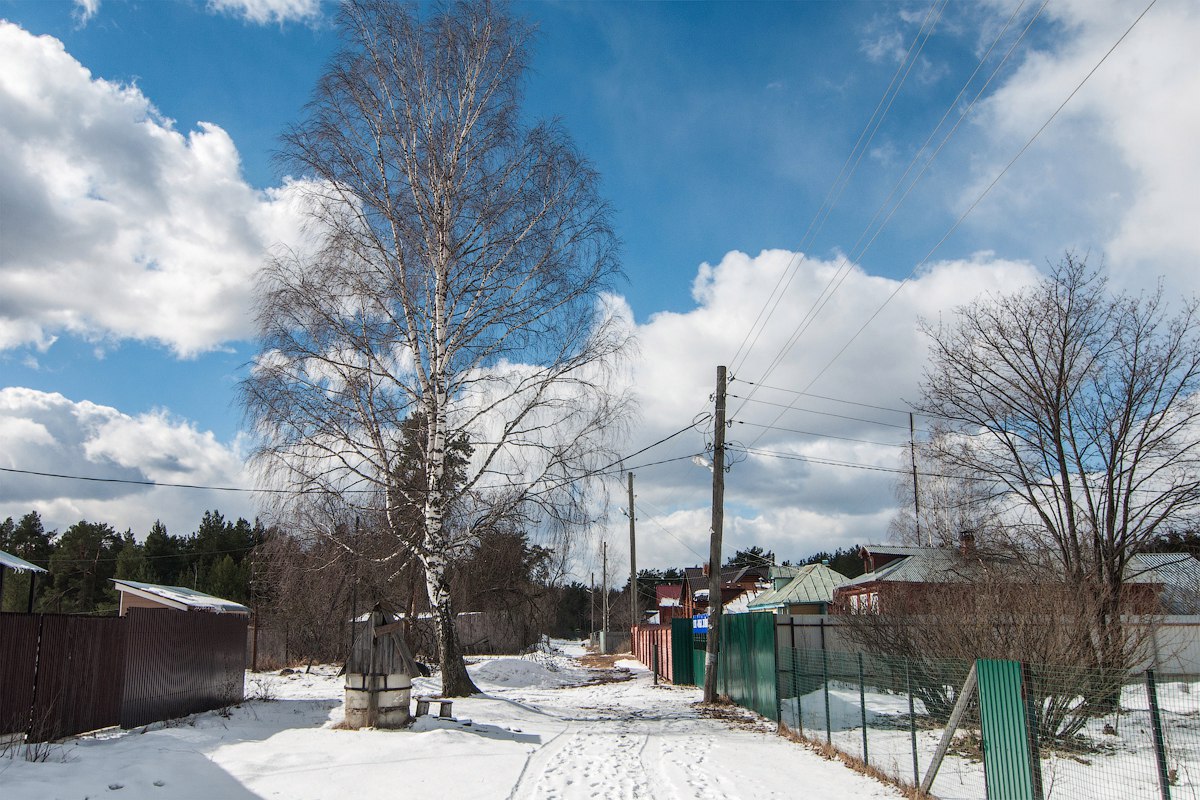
(793, 507)
(47, 432)
(1116, 172)
(85, 10)
(263, 12)
(115, 224)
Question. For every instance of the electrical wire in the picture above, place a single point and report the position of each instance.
(839, 185)
(822, 435)
(667, 532)
(986, 191)
(856, 252)
(792, 407)
(169, 485)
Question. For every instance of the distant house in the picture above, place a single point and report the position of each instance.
(1173, 577)
(16, 564)
(808, 591)
(668, 602)
(180, 598)
(739, 585)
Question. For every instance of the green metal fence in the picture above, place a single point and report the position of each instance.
(681, 652)
(1046, 732)
(746, 672)
(1033, 732)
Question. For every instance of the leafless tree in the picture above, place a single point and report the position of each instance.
(1000, 603)
(456, 286)
(1080, 407)
(944, 503)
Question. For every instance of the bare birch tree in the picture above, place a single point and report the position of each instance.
(1080, 407)
(457, 284)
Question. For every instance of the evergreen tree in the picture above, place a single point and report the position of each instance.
(132, 564)
(28, 539)
(82, 564)
(163, 554)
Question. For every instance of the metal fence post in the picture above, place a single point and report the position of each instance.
(1160, 747)
(655, 663)
(778, 694)
(825, 678)
(796, 685)
(862, 702)
(912, 721)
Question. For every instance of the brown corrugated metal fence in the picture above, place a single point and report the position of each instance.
(174, 669)
(78, 686)
(18, 660)
(63, 674)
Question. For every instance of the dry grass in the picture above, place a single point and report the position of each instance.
(831, 753)
(600, 661)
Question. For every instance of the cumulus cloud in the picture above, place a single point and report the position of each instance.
(820, 475)
(47, 432)
(115, 224)
(1115, 173)
(263, 12)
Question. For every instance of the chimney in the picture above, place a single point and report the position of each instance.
(966, 543)
(706, 569)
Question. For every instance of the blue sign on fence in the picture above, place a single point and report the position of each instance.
(700, 623)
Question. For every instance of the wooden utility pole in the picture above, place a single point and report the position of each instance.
(912, 451)
(633, 598)
(714, 548)
(592, 607)
(604, 586)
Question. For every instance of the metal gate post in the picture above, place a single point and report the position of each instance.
(1160, 746)
(825, 684)
(862, 702)
(912, 721)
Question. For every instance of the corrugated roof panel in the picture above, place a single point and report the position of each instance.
(188, 597)
(12, 562)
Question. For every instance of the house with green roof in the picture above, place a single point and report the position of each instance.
(809, 590)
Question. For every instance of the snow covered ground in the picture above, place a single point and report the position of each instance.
(543, 729)
(1117, 763)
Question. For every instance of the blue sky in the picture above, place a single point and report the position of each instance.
(718, 129)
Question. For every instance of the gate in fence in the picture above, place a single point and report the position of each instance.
(63, 674)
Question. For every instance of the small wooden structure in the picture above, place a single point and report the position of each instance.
(379, 674)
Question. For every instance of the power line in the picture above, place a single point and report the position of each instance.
(787, 407)
(667, 532)
(771, 305)
(840, 400)
(958, 222)
(168, 485)
(811, 460)
(136, 482)
(822, 435)
(856, 252)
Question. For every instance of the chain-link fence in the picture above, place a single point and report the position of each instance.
(1092, 735)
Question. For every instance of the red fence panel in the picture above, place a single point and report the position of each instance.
(179, 663)
(18, 659)
(643, 641)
